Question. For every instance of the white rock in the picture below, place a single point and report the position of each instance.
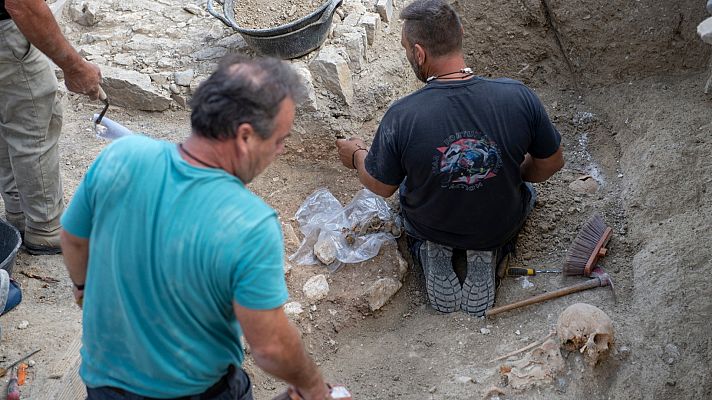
(132, 89)
(23, 325)
(316, 288)
(355, 43)
(385, 10)
(193, 9)
(372, 23)
(308, 104)
(352, 19)
(183, 78)
(484, 331)
(325, 250)
(381, 291)
(124, 59)
(174, 88)
(334, 72)
(85, 13)
(704, 29)
(293, 308)
(464, 379)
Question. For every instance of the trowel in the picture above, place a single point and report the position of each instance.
(104, 127)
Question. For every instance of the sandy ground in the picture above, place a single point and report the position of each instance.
(642, 131)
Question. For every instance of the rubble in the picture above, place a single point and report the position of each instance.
(334, 72)
(381, 291)
(385, 10)
(84, 13)
(183, 78)
(308, 104)
(371, 23)
(132, 89)
(316, 288)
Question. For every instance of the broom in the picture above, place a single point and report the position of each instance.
(588, 247)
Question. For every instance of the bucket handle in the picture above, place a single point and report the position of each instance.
(222, 17)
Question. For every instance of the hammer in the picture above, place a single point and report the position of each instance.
(599, 278)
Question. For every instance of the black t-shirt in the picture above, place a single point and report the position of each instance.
(456, 148)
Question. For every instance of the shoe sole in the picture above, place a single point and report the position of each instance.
(441, 283)
(41, 251)
(478, 289)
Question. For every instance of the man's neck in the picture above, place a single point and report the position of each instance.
(203, 152)
(449, 65)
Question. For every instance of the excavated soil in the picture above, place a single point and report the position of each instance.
(622, 81)
(262, 14)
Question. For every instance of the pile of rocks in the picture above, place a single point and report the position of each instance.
(153, 55)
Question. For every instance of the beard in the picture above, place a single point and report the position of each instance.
(419, 73)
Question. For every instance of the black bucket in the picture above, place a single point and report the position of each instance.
(9, 244)
(291, 40)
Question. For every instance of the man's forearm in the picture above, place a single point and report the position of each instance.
(369, 181)
(36, 22)
(290, 362)
(75, 252)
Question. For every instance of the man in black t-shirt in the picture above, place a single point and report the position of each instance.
(460, 149)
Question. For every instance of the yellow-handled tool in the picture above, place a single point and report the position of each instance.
(530, 271)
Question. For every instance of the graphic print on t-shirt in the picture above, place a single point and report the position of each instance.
(467, 160)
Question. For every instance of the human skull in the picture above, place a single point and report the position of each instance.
(587, 329)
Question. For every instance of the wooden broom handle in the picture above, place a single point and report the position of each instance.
(589, 284)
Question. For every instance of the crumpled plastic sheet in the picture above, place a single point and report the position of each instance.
(322, 217)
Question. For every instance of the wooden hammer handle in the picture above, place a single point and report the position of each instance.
(589, 284)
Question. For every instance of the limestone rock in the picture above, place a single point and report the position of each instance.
(372, 23)
(385, 10)
(355, 44)
(183, 78)
(308, 104)
(331, 68)
(293, 308)
(584, 184)
(325, 250)
(85, 13)
(704, 29)
(210, 53)
(132, 89)
(316, 288)
(381, 291)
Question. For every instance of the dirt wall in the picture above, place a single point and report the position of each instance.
(597, 42)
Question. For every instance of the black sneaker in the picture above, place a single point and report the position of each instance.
(479, 287)
(441, 283)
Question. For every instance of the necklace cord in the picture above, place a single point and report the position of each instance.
(187, 153)
(466, 71)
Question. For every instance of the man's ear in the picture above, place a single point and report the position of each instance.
(245, 135)
(419, 54)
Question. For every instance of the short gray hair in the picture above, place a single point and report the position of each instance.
(243, 90)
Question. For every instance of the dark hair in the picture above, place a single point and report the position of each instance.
(433, 24)
(242, 90)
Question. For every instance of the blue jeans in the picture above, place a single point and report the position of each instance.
(238, 387)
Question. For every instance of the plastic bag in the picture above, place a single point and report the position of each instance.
(354, 233)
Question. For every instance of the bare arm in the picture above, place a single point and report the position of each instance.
(278, 349)
(36, 22)
(541, 169)
(75, 251)
(347, 156)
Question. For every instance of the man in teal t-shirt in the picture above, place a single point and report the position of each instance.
(173, 258)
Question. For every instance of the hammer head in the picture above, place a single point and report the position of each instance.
(605, 279)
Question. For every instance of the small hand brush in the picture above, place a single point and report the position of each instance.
(588, 247)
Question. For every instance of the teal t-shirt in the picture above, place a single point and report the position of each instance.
(171, 246)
